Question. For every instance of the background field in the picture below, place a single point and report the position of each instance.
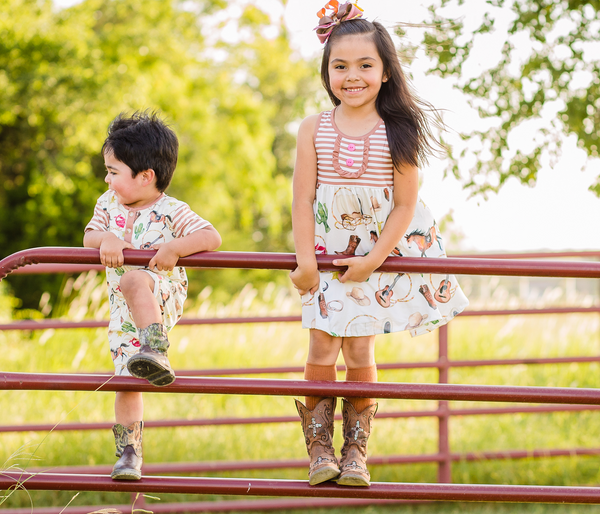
(285, 344)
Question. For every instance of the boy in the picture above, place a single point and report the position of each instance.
(140, 155)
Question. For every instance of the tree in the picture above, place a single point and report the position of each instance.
(549, 69)
(65, 74)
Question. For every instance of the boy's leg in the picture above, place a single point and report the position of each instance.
(137, 287)
(358, 413)
(151, 363)
(129, 407)
(129, 411)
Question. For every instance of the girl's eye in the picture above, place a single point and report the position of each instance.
(366, 66)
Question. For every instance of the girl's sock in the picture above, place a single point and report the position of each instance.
(318, 372)
(368, 374)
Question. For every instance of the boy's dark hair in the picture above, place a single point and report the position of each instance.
(143, 141)
(407, 118)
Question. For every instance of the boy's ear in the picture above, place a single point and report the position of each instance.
(148, 176)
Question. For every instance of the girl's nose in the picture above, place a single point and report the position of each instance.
(106, 179)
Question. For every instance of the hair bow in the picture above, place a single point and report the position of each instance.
(339, 13)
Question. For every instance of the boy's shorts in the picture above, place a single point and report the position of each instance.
(122, 332)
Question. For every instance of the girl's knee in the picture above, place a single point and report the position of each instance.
(324, 348)
(359, 352)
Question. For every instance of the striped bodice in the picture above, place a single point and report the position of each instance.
(352, 160)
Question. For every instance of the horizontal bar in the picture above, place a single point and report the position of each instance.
(395, 365)
(278, 387)
(287, 261)
(79, 268)
(386, 366)
(202, 422)
(266, 487)
(45, 324)
(177, 468)
(39, 269)
(222, 466)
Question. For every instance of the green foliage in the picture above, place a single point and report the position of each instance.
(65, 74)
(549, 62)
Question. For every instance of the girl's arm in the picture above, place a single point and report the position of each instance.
(406, 189)
(306, 276)
(167, 255)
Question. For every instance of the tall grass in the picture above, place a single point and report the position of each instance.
(225, 346)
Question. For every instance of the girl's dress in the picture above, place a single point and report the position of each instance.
(354, 198)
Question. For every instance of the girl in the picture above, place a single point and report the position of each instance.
(356, 195)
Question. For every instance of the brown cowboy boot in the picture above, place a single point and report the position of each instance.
(357, 429)
(128, 441)
(151, 361)
(317, 426)
(353, 242)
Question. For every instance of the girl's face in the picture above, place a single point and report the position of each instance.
(355, 71)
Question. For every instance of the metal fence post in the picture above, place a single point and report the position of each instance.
(445, 464)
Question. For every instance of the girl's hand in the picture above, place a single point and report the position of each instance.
(111, 251)
(305, 281)
(359, 269)
(165, 259)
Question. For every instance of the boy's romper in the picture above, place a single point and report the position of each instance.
(160, 222)
(354, 197)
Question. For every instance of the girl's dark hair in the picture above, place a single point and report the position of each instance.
(143, 141)
(407, 118)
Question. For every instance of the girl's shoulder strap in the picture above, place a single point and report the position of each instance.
(323, 120)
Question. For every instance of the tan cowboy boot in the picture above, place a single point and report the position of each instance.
(357, 429)
(317, 426)
(128, 441)
(151, 361)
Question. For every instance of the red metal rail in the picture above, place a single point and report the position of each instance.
(200, 422)
(287, 261)
(45, 324)
(78, 268)
(264, 487)
(413, 391)
(176, 468)
(276, 387)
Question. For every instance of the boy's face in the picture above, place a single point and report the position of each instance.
(130, 190)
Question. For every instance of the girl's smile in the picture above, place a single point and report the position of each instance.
(355, 71)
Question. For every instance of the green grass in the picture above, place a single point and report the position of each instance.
(225, 346)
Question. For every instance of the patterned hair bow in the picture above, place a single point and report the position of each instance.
(339, 13)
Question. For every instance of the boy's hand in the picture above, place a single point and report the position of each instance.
(359, 269)
(305, 281)
(165, 259)
(111, 251)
